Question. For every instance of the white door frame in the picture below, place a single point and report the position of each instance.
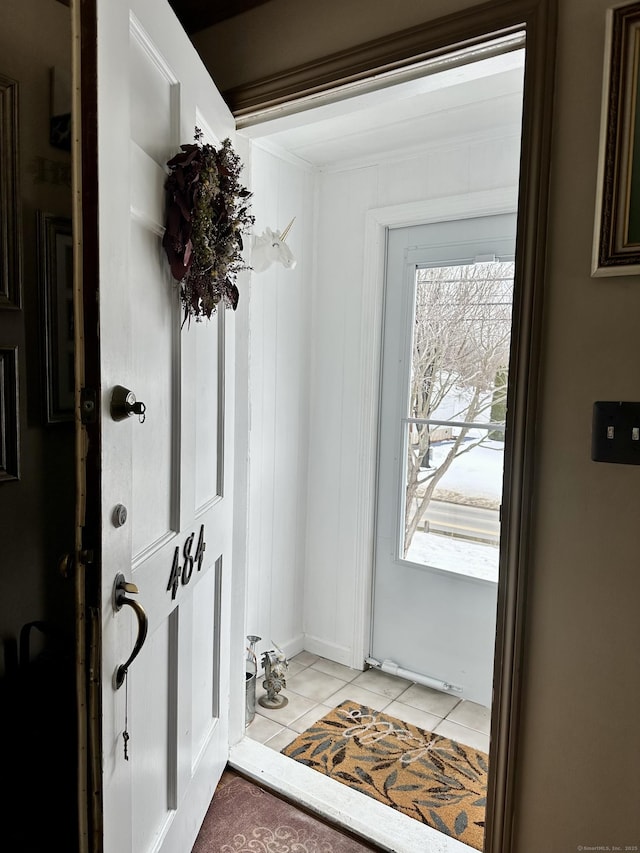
(402, 50)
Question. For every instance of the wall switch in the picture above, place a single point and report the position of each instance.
(615, 432)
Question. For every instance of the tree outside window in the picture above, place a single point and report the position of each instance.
(460, 356)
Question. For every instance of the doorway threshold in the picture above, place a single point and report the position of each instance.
(389, 829)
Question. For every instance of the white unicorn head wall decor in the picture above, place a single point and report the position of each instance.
(269, 248)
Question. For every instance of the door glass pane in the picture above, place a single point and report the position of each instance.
(456, 409)
(452, 512)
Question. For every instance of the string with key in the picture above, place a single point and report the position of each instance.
(125, 733)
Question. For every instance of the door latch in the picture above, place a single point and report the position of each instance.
(124, 404)
(88, 405)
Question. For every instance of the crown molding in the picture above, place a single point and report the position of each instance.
(390, 53)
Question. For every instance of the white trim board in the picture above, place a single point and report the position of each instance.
(332, 651)
(333, 801)
(281, 153)
(482, 203)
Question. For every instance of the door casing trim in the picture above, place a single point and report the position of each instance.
(399, 50)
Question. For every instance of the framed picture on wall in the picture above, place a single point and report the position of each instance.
(9, 414)
(55, 263)
(616, 245)
(10, 232)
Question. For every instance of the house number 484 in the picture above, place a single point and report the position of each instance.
(183, 573)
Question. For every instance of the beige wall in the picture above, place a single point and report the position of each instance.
(36, 513)
(37, 750)
(579, 773)
(284, 33)
(580, 776)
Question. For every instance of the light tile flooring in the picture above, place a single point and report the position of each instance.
(316, 685)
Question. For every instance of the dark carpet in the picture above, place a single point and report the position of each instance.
(244, 818)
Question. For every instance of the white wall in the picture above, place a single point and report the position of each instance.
(279, 408)
(341, 373)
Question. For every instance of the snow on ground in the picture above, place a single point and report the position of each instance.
(461, 556)
(474, 475)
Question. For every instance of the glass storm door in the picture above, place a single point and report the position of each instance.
(447, 337)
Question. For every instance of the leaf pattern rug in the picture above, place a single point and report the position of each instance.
(424, 775)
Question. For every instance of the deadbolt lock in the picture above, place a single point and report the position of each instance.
(124, 404)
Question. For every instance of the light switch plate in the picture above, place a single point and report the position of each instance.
(615, 432)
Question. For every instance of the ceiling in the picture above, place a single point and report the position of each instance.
(478, 99)
(195, 15)
(428, 107)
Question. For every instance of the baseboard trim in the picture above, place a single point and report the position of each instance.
(326, 649)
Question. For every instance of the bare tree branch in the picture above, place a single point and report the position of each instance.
(461, 340)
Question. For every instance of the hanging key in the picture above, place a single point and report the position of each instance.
(125, 733)
(124, 404)
(139, 409)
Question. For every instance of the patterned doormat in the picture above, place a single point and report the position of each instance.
(244, 818)
(425, 776)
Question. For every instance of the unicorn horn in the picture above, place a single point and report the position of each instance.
(286, 230)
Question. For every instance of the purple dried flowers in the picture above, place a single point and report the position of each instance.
(207, 213)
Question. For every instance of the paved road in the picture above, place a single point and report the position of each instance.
(473, 522)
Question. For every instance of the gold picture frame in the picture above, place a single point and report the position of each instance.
(616, 245)
(10, 230)
(55, 262)
(9, 415)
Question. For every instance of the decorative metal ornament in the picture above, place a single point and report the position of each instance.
(275, 668)
(251, 671)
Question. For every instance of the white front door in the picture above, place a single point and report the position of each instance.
(173, 472)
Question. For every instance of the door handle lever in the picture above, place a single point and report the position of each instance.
(120, 589)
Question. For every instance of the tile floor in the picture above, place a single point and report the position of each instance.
(316, 685)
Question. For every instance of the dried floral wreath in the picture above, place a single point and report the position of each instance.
(207, 212)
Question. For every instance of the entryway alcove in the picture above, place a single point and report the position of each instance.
(441, 145)
(346, 172)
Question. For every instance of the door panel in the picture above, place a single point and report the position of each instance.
(431, 619)
(153, 382)
(209, 404)
(167, 470)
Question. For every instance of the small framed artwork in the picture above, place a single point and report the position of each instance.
(60, 118)
(55, 261)
(10, 232)
(616, 245)
(9, 414)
